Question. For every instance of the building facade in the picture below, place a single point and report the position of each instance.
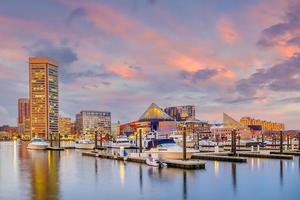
(182, 113)
(64, 126)
(265, 125)
(24, 118)
(87, 122)
(44, 102)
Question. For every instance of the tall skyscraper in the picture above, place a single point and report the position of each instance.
(43, 90)
(24, 118)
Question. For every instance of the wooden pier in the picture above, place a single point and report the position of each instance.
(55, 148)
(223, 158)
(187, 164)
(265, 155)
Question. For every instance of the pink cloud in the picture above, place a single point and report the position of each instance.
(227, 31)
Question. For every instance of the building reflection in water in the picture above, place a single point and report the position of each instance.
(44, 173)
(216, 167)
(233, 175)
(122, 172)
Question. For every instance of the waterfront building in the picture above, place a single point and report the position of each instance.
(43, 89)
(193, 126)
(182, 113)
(64, 126)
(24, 118)
(229, 123)
(87, 122)
(8, 132)
(265, 125)
(154, 119)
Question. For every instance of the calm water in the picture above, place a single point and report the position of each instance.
(68, 175)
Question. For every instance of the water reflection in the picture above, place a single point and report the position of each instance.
(141, 178)
(122, 172)
(184, 189)
(281, 172)
(233, 175)
(216, 167)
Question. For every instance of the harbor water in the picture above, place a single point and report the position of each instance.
(41, 175)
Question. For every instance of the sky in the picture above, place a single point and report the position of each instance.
(237, 57)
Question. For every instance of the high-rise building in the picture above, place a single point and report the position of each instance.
(87, 122)
(24, 118)
(43, 90)
(181, 113)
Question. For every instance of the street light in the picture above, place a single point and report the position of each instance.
(184, 141)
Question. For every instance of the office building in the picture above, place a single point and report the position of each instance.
(44, 102)
(181, 113)
(87, 122)
(265, 125)
(24, 118)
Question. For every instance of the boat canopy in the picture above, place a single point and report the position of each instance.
(156, 142)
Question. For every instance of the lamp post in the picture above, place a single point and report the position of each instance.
(140, 131)
(95, 148)
(233, 142)
(184, 142)
(100, 139)
(281, 141)
(58, 139)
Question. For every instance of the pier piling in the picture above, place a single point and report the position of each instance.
(184, 142)
(281, 142)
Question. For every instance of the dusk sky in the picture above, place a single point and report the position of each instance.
(238, 57)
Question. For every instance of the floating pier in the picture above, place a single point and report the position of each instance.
(224, 158)
(182, 164)
(265, 155)
(55, 148)
(292, 153)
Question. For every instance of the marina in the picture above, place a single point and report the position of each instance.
(69, 175)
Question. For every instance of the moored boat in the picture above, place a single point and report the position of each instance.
(122, 141)
(38, 144)
(168, 149)
(84, 143)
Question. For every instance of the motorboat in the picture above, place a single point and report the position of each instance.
(38, 144)
(84, 143)
(122, 141)
(168, 149)
(178, 138)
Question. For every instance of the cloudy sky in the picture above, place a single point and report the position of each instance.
(239, 57)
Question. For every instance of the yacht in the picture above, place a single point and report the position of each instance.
(168, 149)
(38, 144)
(84, 143)
(179, 140)
(122, 141)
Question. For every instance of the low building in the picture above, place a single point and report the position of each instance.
(181, 113)
(87, 122)
(266, 125)
(223, 131)
(64, 126)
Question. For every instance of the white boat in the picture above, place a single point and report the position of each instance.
(168, 149)
(122, 141)
(38, 144)
(179, 140)
(84, 144)
(152, 162)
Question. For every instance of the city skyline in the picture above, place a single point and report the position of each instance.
(241, 58)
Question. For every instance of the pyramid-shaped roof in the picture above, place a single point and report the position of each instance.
(229, 122)
(154, 112)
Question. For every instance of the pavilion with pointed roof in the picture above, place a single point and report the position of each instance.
(154, 112)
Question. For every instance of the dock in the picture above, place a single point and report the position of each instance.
(223, 158)
(264, 155)
(55, 148)
(188, 164)
(292, 153)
